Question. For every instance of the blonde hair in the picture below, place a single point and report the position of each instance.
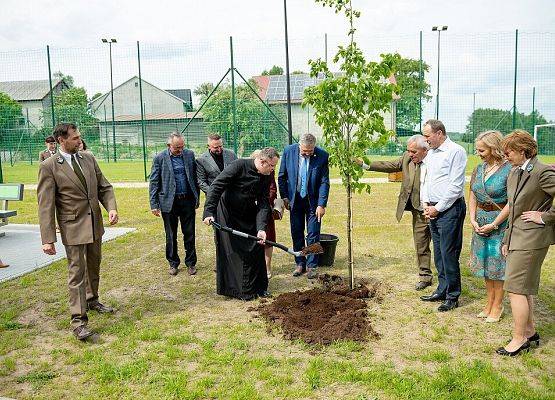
(492, 140)
(520, 140)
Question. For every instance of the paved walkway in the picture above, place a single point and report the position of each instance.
(21, 248)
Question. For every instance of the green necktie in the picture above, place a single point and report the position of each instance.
(79, 172)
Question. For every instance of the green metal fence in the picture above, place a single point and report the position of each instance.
(127, 98)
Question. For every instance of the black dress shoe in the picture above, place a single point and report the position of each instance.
(503, 352)
(82, 332)
(535, 338)
(448, 305)
(433, 297)
(265, 294)
(99, 307)
(422, 285)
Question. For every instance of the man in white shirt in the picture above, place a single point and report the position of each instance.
(443, 198)
(412, 165)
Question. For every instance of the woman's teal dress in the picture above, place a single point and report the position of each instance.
(486, 260)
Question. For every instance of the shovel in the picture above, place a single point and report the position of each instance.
(314, 248)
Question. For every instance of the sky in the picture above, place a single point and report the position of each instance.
(185, 43)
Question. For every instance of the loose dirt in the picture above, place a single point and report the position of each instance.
(324, 315)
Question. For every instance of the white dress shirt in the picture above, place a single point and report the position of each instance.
(423, 173)
(67, 158)
(444, 182)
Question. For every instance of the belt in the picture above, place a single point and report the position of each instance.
(433, 203)
(491, 206)
(183, 196)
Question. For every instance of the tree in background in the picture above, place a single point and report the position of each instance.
(256, 126)
(72, 105)
(68, 79)
(11, 118)
(275, 70)
(203, 90)
(484, 119)
(349, 108)
(408, 105)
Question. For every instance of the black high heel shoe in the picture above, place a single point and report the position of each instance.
(503, 352)
(535, 339)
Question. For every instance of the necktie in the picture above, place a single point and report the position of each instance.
(79, 172)
(304, 171)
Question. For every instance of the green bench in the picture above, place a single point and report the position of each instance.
(9, 192)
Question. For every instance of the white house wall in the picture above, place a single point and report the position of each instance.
(127, 101)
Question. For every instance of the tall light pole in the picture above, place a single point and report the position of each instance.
(287, 77)
(110, 41)
(438, 29)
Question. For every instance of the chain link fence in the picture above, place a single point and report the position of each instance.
(126, 98)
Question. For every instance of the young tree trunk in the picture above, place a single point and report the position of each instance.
(350, 233)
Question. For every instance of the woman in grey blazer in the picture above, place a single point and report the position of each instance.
(531, 230)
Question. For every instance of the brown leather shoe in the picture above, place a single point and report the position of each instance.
(173, 271)
(422, 285)
(99, 307)
(311, 273)
(192, 270)
(299, 270)
(82, 332)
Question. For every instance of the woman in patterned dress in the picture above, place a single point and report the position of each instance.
(488, 215)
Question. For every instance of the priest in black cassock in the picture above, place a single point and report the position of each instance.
(238, 198)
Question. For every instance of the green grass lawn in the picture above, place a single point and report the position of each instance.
(174, 338)
(133, 171)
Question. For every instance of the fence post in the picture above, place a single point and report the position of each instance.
(106, 134)
(514, 89)
(533, 108)
(233, 102)
(473, 120)
(142, 108)
(51, 90)
(29, 133)
(421, 82)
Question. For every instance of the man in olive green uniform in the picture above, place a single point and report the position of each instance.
(50, 150)
(413, 170)
(70, 188)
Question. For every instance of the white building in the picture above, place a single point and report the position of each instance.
(34, 97)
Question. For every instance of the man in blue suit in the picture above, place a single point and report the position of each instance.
(174, 194)
(304, 185)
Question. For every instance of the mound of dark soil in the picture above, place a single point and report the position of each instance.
(322, 316)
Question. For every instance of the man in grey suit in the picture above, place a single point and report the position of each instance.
(212, 162)
(174, 194)
(414, 170)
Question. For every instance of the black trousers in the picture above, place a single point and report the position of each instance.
(183, 210)
(447, 236)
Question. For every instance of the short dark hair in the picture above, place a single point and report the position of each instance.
(436, 125)
(214, 136)
(50, 139)
(62, 130)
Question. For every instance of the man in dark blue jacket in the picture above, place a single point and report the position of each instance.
(174, 194)
(304, 185)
